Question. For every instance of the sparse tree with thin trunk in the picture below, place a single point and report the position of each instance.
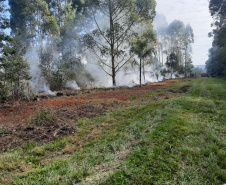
(172, 63)
(110, 41)
(143, 47)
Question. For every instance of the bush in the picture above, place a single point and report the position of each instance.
(44, 118)
(4, 94)
(38, 151)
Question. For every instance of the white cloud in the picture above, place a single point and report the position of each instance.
(195, 12)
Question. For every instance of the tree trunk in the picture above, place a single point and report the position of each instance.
(171, 74)
(113, 79)
(140, 72)
(113, 70)
(144, 72)
(112, 44)
(185, 64)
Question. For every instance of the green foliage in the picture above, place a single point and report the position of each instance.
(114, 39)
(14, 70)
(33, 159)
(4, 92)
(143, 47)
(57, 80)
(50, 26)
(133, 98)
(180, 38)
(38, 151)
(44, 117)
(188, 66)
(172, 63)
(4, 22)
(216, 63)
(73, 70)
(32, 18)
(217, 8)
(2, 130)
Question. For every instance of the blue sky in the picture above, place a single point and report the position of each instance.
(195, 12)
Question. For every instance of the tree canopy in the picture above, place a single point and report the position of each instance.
(109, 43)
(217, 54)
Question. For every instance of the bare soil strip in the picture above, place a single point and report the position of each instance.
(16, 131)
(25, 111)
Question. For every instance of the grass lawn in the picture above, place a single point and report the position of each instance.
(175, 141)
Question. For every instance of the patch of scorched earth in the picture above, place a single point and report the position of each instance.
(25, 111)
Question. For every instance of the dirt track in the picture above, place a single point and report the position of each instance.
(25, 111)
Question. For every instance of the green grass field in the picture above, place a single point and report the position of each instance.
(176, 141)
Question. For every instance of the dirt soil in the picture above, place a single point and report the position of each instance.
(14, 121)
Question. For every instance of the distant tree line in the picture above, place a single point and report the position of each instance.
(216, 63)
(175, 45)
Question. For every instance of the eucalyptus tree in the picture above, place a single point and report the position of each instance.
(172, 63)
(161, 25)
(176, 31)
(143, 47)
(4, 22)
(216, 63)
(181, 39)
(48, 27)
(32, 21)
(14, 67)
(114, 22)
(217, 8)
(189, 66)
(188, 40)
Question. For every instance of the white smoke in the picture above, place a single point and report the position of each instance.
(127, 76)
(73, 85)
(38, 82)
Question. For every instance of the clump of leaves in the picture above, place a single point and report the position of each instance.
(44, 118)
(2, 130)
(38, 151)
(4, 95)
(33, 159)
(133, 98)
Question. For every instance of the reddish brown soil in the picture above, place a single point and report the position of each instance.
(14, 129)
(25, 111)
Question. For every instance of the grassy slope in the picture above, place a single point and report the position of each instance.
(177, 141)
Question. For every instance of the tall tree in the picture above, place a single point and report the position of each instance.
(109, 40)
(216, 63)
(14, 68)
(217, 8)
(4, 22)
(143, 47)
(188, 40)
(161, 25)
(172, 63)
(32, 21)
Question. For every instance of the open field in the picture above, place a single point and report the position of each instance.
(174, 134)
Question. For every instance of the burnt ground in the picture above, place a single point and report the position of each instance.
(24, 123)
